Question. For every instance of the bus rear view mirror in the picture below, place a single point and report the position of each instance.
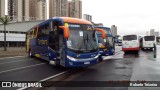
(66, 31)
(102, 31)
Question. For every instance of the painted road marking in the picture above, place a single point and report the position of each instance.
(21, 68)
(48, 78)
(16, 61)
(12, 57)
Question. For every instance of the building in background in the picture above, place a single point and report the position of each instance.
(38, 9)
(75, 9)
(152, 32)
(157, 34)
(26, 10)
(147, 33)
(87, 17)
(114, 30)
(18, 10)
(2, 8)
(97, 24)
(58, 8)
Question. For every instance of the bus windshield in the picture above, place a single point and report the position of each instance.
(149, 38)
(129, 37)
(82, 40)
(108, 32)
(108, 40)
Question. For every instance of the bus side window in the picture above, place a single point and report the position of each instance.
(30, 34)
(35, 31)
(43, 30)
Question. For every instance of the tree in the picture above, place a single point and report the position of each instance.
(4, 21)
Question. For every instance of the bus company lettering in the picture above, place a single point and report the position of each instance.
(74, 25)
(43, 42)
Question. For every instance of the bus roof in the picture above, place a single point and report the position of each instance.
(63, 20)
(75, 20)
(101, 27)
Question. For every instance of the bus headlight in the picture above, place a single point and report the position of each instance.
(71, 58)
(97, 56)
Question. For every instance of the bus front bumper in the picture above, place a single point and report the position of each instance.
(131, 49)
(107, 52)
(79, 63)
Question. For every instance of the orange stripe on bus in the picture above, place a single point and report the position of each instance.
(75, 20)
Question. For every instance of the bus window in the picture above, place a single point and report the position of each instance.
(34, 32)
(43, 30)
(129, 37)
(149, 38)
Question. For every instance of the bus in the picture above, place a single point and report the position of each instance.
(119, 41)
(107, 45)
(158, 40)
(64, 41)
(148, 42)
(130, 43)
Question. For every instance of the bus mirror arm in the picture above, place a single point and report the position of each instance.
(102, 31)
(66, 31)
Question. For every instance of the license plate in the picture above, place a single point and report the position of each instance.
(86, 62)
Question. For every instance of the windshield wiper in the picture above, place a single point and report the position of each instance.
(79, 49)
(88, 40)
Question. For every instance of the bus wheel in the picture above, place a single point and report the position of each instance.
(142, 49)
(54, 63)
(137, 52)
(100, 59)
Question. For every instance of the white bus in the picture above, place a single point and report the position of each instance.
(148, 42)
(130, 43)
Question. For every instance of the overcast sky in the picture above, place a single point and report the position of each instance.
(130, 16)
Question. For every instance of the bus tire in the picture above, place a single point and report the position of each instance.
(125, 52)
(137, 52)
(100, 59)
(55, 63)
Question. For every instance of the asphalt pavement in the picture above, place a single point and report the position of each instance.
(119, 67)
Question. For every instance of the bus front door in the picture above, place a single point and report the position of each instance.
(56, 43)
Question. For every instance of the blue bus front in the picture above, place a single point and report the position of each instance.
(80, 49)
(107, 45)
(81, 46)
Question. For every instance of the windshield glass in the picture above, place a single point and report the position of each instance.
(158, 39)
(108, 31)
(129, 37)
(107, 42)
(149, 38)
(82, 39)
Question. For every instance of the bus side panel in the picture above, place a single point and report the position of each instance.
(42, 48)
(32, 46)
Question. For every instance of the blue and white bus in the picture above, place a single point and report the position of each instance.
(64, 41)
(107, 45)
